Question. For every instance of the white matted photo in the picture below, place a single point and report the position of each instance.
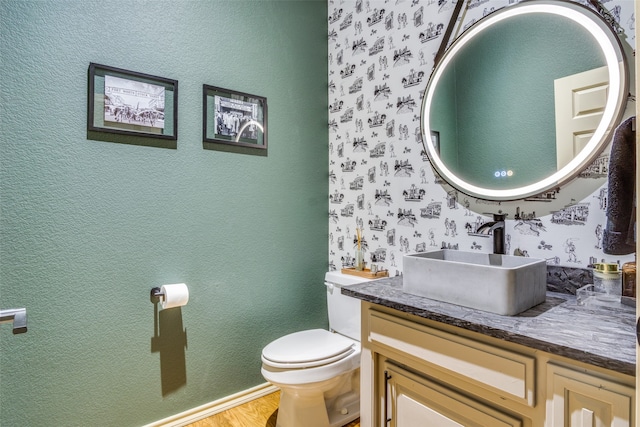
(236, 118)
(133, 102)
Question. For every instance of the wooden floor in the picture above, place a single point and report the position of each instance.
(257, 413)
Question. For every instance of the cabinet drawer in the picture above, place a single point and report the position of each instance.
(504, 372)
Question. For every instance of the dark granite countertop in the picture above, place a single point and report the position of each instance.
(595, 335)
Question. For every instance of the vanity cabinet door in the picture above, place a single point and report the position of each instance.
(414, 401)
(575, 399)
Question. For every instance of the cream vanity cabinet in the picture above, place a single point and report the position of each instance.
(418, 372)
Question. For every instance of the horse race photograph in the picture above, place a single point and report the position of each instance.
(134, 103)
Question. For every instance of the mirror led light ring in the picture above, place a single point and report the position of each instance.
(616, 96)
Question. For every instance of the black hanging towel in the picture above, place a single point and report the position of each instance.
(619, 234)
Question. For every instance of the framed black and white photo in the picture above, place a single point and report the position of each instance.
(234, 118)
(435, 140)
(131, 103)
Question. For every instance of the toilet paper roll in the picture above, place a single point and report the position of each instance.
(175, 295)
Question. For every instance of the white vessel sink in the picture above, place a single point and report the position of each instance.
(500, 284)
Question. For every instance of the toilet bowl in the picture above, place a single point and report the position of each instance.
(318, 371)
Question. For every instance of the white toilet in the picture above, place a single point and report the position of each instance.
(317, 371)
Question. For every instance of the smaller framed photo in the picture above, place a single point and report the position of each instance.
(131, 103)
(234, 118)
(435, 140)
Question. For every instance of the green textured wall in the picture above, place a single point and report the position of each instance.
(89, 227)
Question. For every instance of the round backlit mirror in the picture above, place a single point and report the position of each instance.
(524, 100)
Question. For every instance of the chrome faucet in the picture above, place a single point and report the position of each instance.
(495, 228)
(18, 316)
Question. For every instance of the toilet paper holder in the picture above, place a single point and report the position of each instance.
(170, 296)
(157, 293)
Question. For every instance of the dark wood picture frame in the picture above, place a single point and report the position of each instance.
(131, 103)
(435, 140)
(233, 118)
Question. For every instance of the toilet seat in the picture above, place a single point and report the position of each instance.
(307, 349)
(309, 378)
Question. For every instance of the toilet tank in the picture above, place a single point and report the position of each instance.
(344, 311)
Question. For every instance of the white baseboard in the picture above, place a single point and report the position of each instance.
(212, 408)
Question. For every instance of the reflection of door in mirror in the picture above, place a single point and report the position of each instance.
(580, 101)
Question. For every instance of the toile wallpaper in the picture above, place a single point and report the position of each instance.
(380, 180)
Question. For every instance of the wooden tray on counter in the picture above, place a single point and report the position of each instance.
(366, 273)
